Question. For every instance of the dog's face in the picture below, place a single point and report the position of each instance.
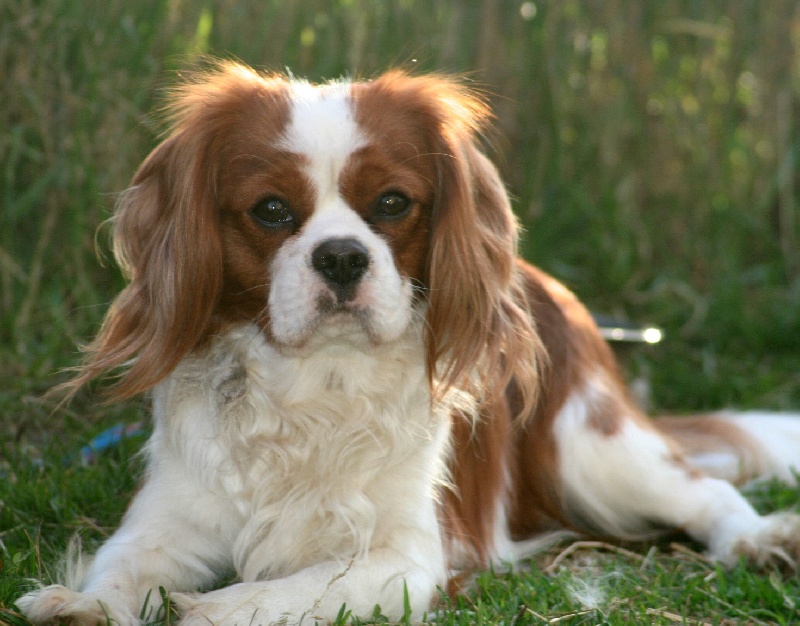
(326, 215)
(325, 218)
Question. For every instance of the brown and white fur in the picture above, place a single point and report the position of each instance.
(357, 385)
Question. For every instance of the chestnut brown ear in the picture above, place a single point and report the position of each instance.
(481, 333)
(167, 236)
(167, 242)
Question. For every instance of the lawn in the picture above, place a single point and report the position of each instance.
(577, 582)
(651, 150)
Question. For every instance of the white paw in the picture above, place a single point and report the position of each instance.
(57, 604)
(774, 540)
(202, 610)
(243, 604)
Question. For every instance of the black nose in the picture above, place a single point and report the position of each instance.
(341, 262)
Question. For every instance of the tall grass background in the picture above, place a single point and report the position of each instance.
(652, 150)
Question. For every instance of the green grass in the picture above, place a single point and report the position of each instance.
(589, 582)
(652, 151)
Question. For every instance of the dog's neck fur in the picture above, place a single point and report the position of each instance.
(305, 450)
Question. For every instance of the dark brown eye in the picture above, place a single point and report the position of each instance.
(272, 213)
(391, 205)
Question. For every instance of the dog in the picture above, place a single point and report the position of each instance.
(358, 387)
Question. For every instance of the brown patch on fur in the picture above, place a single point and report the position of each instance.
(606, 416)
(574, 350)
(526, 448)
(255, 172)
(396, 159)
(478, 470)
(680, 461)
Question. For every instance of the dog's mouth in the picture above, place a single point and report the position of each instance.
(334, 323)
(368, 315)
(341, 317)
(333, 306)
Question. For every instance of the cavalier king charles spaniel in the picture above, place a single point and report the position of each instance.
(358, 389)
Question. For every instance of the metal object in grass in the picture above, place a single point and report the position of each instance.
(616, 330)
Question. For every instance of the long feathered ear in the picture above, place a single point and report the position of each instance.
(481, 333)
(166, 240)
(167, 236)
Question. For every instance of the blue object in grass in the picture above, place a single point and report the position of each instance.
(109, 438)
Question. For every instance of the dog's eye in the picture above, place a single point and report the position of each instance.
(391, 205)
(272, 213)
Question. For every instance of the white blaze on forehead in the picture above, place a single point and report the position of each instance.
(324, 130)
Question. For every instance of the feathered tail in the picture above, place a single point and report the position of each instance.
(739, 447)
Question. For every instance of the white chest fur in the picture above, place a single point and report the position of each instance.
(308, 458)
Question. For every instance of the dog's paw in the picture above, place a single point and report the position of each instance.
(775, 540)
(184, 602)
(58, 605)
(207, 609)
(244, 604)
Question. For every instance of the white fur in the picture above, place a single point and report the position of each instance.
(772, 450)
(317, 474)
(380, 310)
(777, 438)
(629, 484)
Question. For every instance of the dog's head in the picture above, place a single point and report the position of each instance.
(331, 214)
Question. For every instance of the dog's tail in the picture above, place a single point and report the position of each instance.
(739, 447)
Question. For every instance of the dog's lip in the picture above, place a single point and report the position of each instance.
(328, 306)
(347, 316)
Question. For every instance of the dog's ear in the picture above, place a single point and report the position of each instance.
(167, 242)
(481, 333)
(167, 238)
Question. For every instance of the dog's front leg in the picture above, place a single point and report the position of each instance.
(160, 543)
(317, 593)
